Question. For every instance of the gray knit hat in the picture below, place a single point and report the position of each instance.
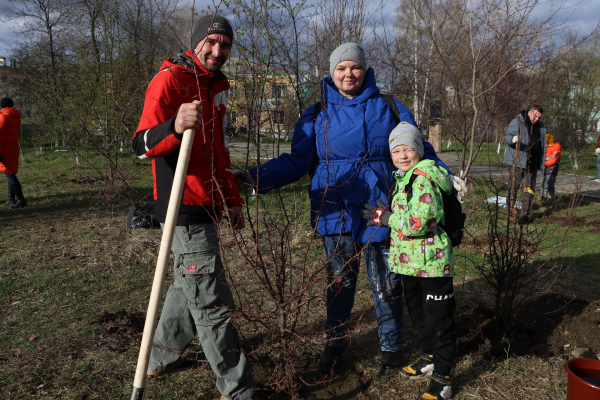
(347, 52)
(409, 135)
(209, 24)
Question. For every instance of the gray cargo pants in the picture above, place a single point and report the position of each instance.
(199, 300)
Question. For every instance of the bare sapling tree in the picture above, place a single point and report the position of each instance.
(281, 278)
(518, 261)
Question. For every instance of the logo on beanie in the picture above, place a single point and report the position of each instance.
(216, 25)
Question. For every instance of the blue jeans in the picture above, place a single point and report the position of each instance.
(12, 178)
(342, 273)
(598, 166)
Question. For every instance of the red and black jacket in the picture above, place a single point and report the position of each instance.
(173, 86)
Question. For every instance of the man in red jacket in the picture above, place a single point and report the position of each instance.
(10, 127)
(189, 92)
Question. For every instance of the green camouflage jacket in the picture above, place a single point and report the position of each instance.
(418, 246)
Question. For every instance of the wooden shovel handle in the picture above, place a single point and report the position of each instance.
(161, 264)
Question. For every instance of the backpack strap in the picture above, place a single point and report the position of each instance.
(392, 106)
(412, 179)
(316, 111)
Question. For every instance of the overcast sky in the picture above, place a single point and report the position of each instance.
(582, 14)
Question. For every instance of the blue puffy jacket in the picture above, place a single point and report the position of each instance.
(349, 151)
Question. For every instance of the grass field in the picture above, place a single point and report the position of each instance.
(75, 283)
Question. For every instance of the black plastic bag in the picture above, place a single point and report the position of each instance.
(142, 217)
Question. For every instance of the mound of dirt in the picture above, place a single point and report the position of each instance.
(123, 322)
(546, 326)
(579, 332)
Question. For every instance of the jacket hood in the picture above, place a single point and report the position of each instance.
(185, 63)
(438, 174)
(11, 111)
(368, 89)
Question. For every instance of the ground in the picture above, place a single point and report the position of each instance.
(75, 283)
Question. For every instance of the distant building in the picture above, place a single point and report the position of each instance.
(259, 100)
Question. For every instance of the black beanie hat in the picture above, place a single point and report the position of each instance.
(209, 24)
(6, 102)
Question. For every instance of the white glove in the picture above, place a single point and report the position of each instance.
(460, 186)
(598, 151)
(515, 139)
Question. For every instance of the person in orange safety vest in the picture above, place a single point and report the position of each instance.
(551, 164)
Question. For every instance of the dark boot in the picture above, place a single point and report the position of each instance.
(527, 210)
(390, 363)
(11, 196)
(20, 198)
(329, 358)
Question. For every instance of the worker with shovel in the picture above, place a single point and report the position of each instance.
(186, 99)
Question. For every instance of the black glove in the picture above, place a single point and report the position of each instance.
(376, 216)
(1, 158)
(244, 180)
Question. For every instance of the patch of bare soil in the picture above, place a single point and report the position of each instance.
(549, 325)
(580, 332)
(345, 383)
(123, 323)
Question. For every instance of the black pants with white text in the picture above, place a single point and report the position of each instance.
(431, 306)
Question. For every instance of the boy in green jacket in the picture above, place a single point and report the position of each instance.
(421, 252)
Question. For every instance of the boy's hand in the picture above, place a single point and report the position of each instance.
(598, 151)
(376, 216)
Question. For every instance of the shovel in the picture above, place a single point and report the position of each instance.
(163, 258)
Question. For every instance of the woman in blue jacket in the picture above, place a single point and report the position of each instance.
(347, 150)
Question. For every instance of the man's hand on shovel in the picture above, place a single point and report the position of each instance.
(189, 116)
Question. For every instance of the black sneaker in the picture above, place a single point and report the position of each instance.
(390, 363)
(439, 388)
(329, 358)
(423, 366)
(185, 365)
(9, 202)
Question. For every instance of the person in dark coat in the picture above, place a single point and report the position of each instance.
(10, 127)
(525, 141)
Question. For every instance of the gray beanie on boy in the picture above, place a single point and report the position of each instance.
(409, 135)
(209, 24)
(347, 52)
